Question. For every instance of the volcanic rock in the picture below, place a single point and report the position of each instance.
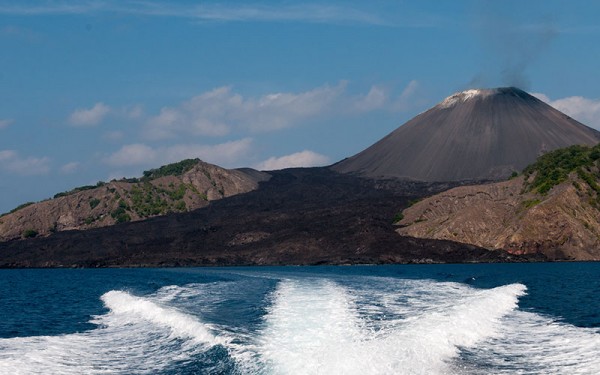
(178, 187)
(553, 209)
(471, 135)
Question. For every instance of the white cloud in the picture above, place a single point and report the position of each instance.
(304, 158)
(5, 123)
(12, 162)
(376, 98)
(219, 12)
(133, 112)
(221, 111)
(407, 99)
(584, 110)
(70, 168)
(223, 154)
(89, 117)
(217, 112)
(133, 154)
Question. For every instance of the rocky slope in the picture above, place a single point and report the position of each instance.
(552, 209)
(299, 216)
(178, 187)
(471, 135)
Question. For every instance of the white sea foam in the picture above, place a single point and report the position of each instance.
(136, 336)
(124, 306)
(319, 328)
(533, 344)
(354, 325)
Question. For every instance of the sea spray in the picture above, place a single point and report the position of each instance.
(315, 327)
(181, 325)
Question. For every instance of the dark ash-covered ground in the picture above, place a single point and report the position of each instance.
(300, 216)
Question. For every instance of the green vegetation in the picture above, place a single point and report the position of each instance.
(180, 206)
(412, 202)
(78, 189)
(120, 213)
(150, 200)
(146, 200)
(90, 219)
(531, 202)
(94, 202)
(554, 167)
(175, 169)
(18, 208)
(399, 216)
(30, 233)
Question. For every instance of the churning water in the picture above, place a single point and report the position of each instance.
(452, 319)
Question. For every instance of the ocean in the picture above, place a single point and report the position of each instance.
(541, 318)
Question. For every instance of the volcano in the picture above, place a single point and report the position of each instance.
(483, 134)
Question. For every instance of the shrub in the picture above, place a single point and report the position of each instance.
(30, 233)
(175, 169)
(399, 216)
(18, 208)
(94, 202)
(180, 206)
(554, 167)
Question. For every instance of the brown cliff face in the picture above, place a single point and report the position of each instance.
(472, 135)
(129, 200)
(564, 224)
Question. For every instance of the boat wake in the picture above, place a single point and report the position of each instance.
(363, 325)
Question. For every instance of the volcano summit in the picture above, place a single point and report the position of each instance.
(472, 135)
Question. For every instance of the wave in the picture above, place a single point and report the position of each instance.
(127, 308)
(313, 325)
(530, 343)
(137, 335)
(317, 328)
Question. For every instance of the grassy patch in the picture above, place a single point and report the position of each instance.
(398, 217)
(531, 203)
(554, 167)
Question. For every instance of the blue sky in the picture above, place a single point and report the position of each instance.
(95, 90)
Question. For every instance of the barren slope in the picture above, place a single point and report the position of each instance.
(299, 216)
(553, 210)
(472, 135)
(177, 187)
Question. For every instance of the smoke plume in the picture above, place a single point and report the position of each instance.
(512, 40)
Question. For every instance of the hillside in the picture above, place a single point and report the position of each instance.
(178, 187)
(299, 216)
(472, 135)
(552, 208)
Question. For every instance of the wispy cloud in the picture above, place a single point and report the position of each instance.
(21, 33)
(584, 110)
(139, 154)
(33, 8)
(89, 117)
(11, 161)
(304, 158)
(70, 168)
(314, 13)
(217, 112)
(221, 111)
(5, 123)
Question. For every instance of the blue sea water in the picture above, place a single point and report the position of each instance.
(539, 318)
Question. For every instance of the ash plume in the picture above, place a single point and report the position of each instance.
(511, 42)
